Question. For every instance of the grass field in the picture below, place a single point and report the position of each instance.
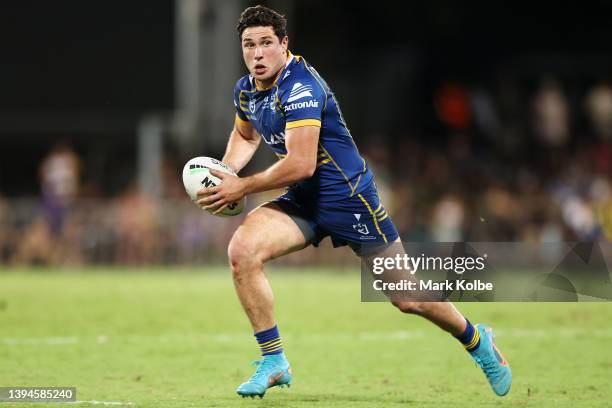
(168, 338)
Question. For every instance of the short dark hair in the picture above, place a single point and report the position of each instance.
(260, 16)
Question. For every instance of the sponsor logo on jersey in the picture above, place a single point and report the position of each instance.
(301, 105)
(299, 91)
(275, 138)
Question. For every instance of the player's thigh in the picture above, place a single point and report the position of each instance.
(266, 233)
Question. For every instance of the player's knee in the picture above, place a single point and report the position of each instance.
(240, 253)
(244, 254)
(417, 308)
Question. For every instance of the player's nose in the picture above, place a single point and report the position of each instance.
(258, 53)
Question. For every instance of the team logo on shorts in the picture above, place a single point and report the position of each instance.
(359, 227)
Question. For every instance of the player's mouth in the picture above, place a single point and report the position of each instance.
(260, 69)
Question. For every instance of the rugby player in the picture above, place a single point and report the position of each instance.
(330, 192)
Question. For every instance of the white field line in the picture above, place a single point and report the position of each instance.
(362, 336)
(40, 341)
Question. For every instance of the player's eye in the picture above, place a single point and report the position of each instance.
(249, 45)
(267, 43)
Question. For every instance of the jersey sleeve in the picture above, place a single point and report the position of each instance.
(303, 103)
(241, 104)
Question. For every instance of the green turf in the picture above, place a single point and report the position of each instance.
(179, 339)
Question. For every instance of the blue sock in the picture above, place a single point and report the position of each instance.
(269, 341)
(470, 337)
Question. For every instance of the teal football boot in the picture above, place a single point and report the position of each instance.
(492, 362)
(272, 370)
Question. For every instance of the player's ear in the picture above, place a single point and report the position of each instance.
(285, 43)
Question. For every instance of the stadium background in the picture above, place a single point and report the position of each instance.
(482, 121)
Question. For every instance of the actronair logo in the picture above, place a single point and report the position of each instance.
(300, 105)
(299, 91)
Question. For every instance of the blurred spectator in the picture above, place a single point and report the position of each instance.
(137, 228)
(447, 220)
(453, 106)
(485, 114)
(37, 247)
(59, 173)
(551, 114)
(59, 176)
(599, 109)
(601, 196)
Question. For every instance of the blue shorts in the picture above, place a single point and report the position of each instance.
(360, 221)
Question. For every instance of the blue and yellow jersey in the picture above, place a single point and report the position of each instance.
(300, 97)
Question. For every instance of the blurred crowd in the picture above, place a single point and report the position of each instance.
(512, 166)
(500, 165)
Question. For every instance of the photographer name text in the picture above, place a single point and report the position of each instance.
(422, 285)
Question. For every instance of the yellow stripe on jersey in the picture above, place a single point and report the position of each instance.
(381, 213)
(338, 168)
(303, 122)
(242, 121)
(356, 184)
(358, 178)
(322, 162)
(320, 84)
(279, 105)
(373, 218)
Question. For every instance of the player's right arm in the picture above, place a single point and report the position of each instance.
(244, 139)
(242, 144)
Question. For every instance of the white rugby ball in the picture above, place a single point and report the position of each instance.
(196, 176)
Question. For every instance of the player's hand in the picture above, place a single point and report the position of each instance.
(217, 198)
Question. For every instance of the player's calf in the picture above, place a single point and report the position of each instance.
(416, 308)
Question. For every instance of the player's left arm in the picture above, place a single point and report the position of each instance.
(299, 163)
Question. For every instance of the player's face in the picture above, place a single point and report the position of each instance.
(264, 54)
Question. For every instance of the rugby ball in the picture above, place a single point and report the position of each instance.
(196, 176)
